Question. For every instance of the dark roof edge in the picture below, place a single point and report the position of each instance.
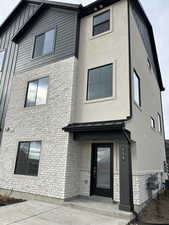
(39, 2)
(43, 4)
(95, 126)
(23, 28)
(7, 20)
(68, 5)
(153, 45)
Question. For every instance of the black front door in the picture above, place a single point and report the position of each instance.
(102, 170)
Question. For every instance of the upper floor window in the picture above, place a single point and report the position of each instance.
(101, 23)
(159, 123)
(44, 43)
(152, 123)
(100, 82)
(137, 92)
(37, 92)
(28, 156)
(2, 56)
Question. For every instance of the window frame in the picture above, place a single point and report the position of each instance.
(17, 157)
(26, 95)
(97, 13)
(160, 126)
(54, 43)
(139, 89)
(3, 62)
(113, 85)
(154, 124)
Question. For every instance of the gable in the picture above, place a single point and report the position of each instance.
(64, 22)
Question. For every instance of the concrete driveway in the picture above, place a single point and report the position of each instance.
(42, 213)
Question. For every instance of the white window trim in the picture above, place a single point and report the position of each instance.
(111, 23)
(139, 106)
(160, 125)
(153, 128)
(113, 97)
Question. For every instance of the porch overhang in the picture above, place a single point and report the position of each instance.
(106, 131)
(95, 126)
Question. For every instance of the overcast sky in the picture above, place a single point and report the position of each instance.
(158, 13)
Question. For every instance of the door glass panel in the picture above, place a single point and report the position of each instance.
(103, 167)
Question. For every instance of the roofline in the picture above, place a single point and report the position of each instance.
(87, 10)
(39, 2)
(96, 6)
(153, 45)
(7, 20)
(62, 4)
(16, 37)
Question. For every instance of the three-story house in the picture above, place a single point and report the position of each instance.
(80, 101)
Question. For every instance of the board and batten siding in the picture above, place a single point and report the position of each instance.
(11, 50)
(65, 22)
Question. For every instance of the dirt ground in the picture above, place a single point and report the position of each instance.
(6, 200)
(157, 211)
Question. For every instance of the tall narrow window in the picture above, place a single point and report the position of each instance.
(101, 23)
(28, 156)
(44, 43)
(159, 123)
(2, 56)
(100, 82)
(137, 93)
(152, 123)
(37, 92)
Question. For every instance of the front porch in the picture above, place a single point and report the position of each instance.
(105, 161)
(99, 205)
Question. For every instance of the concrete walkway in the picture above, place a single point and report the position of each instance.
(42, 213)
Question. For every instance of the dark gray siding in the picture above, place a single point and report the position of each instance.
(11, 54)
(145, 36)
(65, 22)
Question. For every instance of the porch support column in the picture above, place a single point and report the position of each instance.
(125, 167)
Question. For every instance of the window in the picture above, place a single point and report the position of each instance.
(37, 92)
(101, 23)
(159, 123)
(100, 82)
(2, 56)
(44, 43)
(28, 156)
(137, 93)
(152, 123)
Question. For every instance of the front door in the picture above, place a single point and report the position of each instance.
(102, 170)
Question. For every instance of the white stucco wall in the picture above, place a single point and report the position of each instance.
(111, 47)
(150, 148)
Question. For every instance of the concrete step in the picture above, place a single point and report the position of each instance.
(101, 210)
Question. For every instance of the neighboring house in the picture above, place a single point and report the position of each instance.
(80, 107)
(167, 150)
